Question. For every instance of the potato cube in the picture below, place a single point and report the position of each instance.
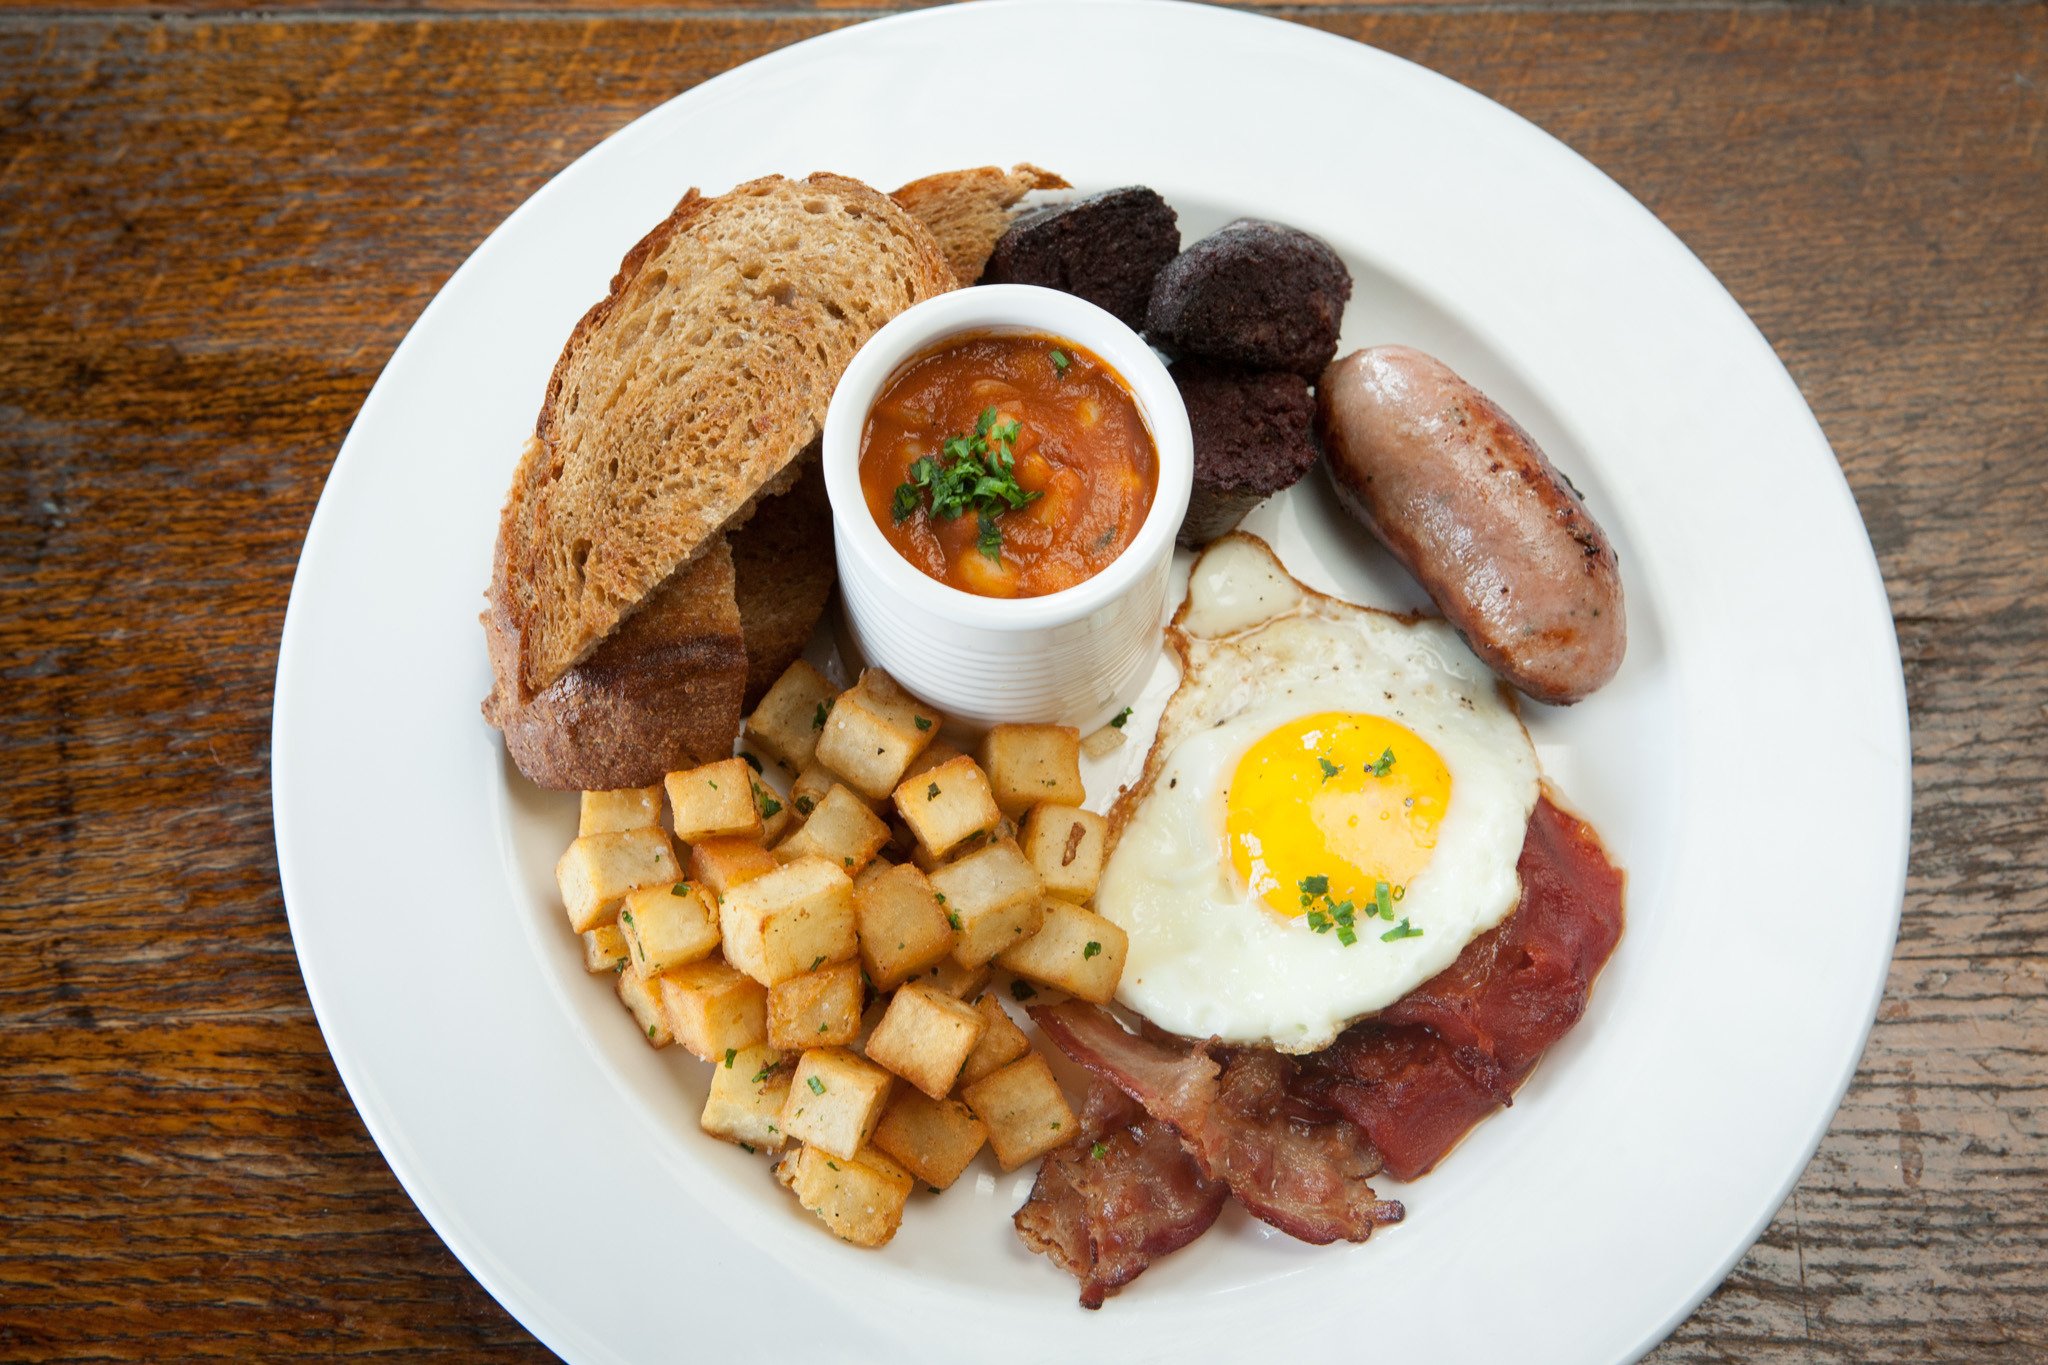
(1074, 950)
(786, 724)
(789, 921)
(1026, 1114)
(817, 1009)
(955, 978)
(635, 996)
(901, 926)
(860, 1200)
(748, 1086)
(667, 926)
(925, 1037)
(717, 798)
(1029, 764)
(776, 816)
(809, 789)
(933, 1139)
(1066, 844)
(1002, 1042)
(873, 733)
(835, 1100)
(940, 750)
(604, 949)
(992, 897)
(873, 872)
(599, 869)
(723, 863)
(711, 1006)
(627, 808)
(841, 829)
(947, 804)
(1004, 828)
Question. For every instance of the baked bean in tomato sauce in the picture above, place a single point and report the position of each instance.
(1008, 464)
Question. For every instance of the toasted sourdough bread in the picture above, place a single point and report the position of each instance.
(782, 575)
(683, 394)
(662, 692)
(968, 210)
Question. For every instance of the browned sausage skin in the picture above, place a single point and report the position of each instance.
(1467, 501)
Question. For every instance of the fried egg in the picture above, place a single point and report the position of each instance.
(1332, 810)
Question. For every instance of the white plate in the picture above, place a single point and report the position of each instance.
(1749, 765)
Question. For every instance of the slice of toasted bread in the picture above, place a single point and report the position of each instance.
(783, 571)
(684, 392)
(968, 210)
(662, 693)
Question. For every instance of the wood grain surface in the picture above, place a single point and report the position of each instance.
(215, 227)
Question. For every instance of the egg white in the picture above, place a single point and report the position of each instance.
(1207, 957)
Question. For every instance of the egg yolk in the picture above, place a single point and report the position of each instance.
(1353, 798)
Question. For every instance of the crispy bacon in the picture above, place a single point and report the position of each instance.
(1117, 1198)
(1302, 1170)
(1296, 1139)
(1446, 1055)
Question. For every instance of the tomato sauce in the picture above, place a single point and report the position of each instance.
(1008, 464)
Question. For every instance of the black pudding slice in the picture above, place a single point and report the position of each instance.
(1107, 248)
(1254, 435)
(1254, 294)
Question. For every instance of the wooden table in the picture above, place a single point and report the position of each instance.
(216, 224)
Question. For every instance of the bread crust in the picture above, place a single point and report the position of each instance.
(662, 693)
(968, 210)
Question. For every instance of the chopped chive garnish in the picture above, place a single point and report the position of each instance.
(817, 1086)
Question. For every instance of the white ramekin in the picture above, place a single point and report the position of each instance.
(1066, 657)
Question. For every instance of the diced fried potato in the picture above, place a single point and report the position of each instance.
(955, 978)
(1002, 1042)
(816, 1009)
(627, 808)
(810, 787)
(925, 1037)
(938, 751)
(1030, 764)
(712, 1006)
(933, 1139)
(901, 926)
(791, 715)
(1004, 828)
(947, 804)
(861, 1200)
(776, 816)
(597, 871)
(874, 732)
(1066, 844)
(667, 926)
(873, 872)
(1100, 744)
(992, 898)
(789, 921)
(723, 863)
(748, 1086)
(1074, 950)
(635, 996)
(1026, 1114)
(604, 948)
(715, 799)
(835, 1100)
(841, 829)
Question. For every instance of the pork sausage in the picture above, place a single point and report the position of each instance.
(1465, 499)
